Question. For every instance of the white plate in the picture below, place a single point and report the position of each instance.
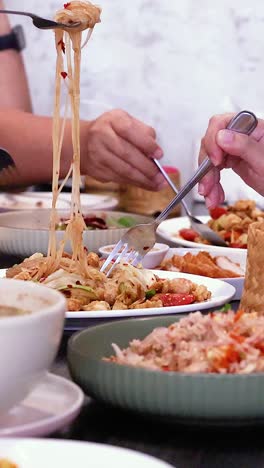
(39, 200)
(170, 228)
(53, 404)
(24, 233)
(38, 453)
(239, 256)
(221, 293)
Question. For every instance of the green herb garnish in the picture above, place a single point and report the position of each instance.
(150, 293)
(226, 308)
(126, 221)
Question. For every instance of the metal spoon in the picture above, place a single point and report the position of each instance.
(42, 23)
(244, 122)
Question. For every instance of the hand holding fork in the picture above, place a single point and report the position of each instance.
(140, 239)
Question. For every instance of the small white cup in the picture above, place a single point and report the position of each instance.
(29, 343)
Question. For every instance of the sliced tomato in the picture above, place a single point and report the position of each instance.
(237, 245)
(176, 299)
(218, 211)
(188, 234)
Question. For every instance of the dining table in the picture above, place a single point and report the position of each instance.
(180, 444)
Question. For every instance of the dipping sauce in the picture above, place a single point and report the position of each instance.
(109, 250)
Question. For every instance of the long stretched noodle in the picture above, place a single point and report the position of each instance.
(69, 41)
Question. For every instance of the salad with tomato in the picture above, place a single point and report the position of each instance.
(229, 222)
(102, 222)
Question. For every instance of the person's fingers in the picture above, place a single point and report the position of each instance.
(107, 153)
(208, 181)
(133, 157)
(252, 177)
(150, 130)
(209, 146)
(215, 197)
(136, 133)
(243, 146)
(124, 172)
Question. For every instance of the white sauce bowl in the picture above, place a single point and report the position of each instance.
(151, 260)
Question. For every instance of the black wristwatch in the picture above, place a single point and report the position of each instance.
(14, 40)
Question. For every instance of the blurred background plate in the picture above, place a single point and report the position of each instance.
(169, 230)
(24, 233)
(38, 200)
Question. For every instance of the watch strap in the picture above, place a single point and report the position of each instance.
(14, 40)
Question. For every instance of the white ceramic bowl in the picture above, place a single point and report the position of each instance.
(24, 233)
(235, 255)
(29, 343)
(151, 260)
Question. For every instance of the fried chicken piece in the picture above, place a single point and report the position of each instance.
(202, 264)
(24, 276)
(244, 205)
(227, 221)
(119, 305)
(93, 260)
(74, 305)
(201, 293)
(97, 305)
(146, 304)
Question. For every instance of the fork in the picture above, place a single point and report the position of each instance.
(196, 224)
(140, 239)
(40, 22)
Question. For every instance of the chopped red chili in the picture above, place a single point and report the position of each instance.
(238, 315)
(66, 5)
(64, 75)
(62, 44)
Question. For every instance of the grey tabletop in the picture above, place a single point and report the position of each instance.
(181, 446)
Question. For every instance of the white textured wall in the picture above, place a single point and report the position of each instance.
(172, 63)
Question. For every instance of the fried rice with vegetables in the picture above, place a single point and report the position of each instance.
(225, 343)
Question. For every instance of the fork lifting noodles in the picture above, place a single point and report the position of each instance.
(42, 23)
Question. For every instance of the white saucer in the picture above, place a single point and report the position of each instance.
(53, 404)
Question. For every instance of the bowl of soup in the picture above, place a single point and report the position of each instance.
(31, 326)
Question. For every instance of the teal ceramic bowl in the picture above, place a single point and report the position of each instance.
(236, 399)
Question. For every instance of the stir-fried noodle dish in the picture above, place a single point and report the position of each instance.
(78, 275)
(226, 343)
